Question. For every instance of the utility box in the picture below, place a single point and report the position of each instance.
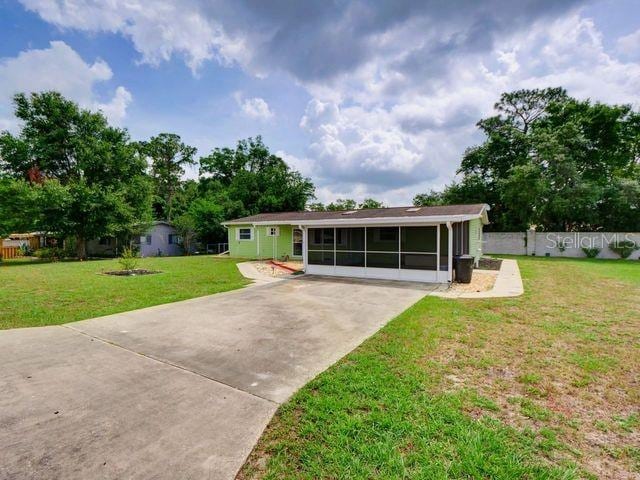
(463, 268)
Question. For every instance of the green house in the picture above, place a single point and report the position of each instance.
(399, 243)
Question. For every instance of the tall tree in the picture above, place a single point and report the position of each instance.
(371, 203)
(259, 180)
(342, 204)
(168, 156)
(553, 161)
(87, 178)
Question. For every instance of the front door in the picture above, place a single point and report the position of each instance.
(297, 242)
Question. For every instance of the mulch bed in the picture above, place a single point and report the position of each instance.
(132, 273)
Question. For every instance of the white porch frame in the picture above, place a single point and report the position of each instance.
(434, 276)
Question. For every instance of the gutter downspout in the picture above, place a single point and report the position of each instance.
(304, 246)
(450, 253)
(253, 225)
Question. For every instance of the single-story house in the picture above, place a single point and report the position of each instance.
(33, 240)
(398, 243)
(160, 240)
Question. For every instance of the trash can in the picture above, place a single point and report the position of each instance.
(463, 267)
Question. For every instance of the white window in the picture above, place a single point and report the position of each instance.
(273, 231)
(145, 240)
(245, 234)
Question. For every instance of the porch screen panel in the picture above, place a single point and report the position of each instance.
(444, 248)
(382, 239)
(350, 247)
(419, 239)
(383, 247)
(419, 248)
(321, 246)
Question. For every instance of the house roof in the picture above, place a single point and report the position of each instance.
(440, 213)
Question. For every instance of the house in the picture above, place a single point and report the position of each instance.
(399, 243)
(160, 240)
(31, 240)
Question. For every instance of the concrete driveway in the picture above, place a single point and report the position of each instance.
(182, 390)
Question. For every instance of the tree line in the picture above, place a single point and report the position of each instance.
(553, 162)
(69, 172)
(548, 160)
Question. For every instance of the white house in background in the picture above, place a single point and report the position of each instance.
(160, 240)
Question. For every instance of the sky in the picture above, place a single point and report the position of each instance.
(367, 98)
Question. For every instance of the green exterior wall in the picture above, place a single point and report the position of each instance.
(475, 238)
(261, 245)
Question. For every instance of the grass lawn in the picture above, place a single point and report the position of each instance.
(545, 386)
(33, 294)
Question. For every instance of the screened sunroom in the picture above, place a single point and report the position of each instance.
(391, 252)
(400, 243)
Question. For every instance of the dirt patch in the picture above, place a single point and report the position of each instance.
(132, 273)
(268, 268)
(480, 282)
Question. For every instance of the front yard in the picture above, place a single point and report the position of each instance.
(37, 294)
(541, 386)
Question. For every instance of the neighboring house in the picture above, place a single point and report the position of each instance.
(33, 240)
(399, 243)
(160, 240)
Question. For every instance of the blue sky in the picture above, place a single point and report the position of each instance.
(367, 98)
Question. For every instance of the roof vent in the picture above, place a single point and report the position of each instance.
(349, 212)
(413, 209)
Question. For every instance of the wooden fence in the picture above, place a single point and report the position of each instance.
(7, 253)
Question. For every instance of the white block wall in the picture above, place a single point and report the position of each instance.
(543, 243)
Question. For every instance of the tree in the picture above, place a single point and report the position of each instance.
(342, 204)
(17, 206)
(85, 176)
(554, 162)
(316, 207)
(185, 226)
(371, 203)
(254, 177)
(432, 197)
(168, 156)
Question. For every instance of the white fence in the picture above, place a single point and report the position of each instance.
(556, 244)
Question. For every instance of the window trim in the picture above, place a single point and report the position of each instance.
(238, 235)
(273, 231)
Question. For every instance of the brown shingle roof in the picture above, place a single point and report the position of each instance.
(373, 213)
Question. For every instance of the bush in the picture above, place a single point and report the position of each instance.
(25, 250)
(50, 253)
(623, 248)
(591, 252)
(128, 259)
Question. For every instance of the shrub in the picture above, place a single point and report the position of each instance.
(591, 252)
(50, 253)
(25, 250)
(128, 259)
(623, 248)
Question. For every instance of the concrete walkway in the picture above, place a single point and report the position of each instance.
(508, 284)
(182, 390)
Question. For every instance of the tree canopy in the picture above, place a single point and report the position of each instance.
(554, 162)
(167, 156)
(84, 176)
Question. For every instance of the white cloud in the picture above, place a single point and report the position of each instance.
(629, 45)
(396, 91)
(59, 68)
(158, 30)
(256, 108)
(399, 141)
(116, 109)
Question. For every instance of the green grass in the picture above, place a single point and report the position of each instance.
(36, 294)
(478, 388)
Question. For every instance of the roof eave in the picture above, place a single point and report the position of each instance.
(369, 220)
